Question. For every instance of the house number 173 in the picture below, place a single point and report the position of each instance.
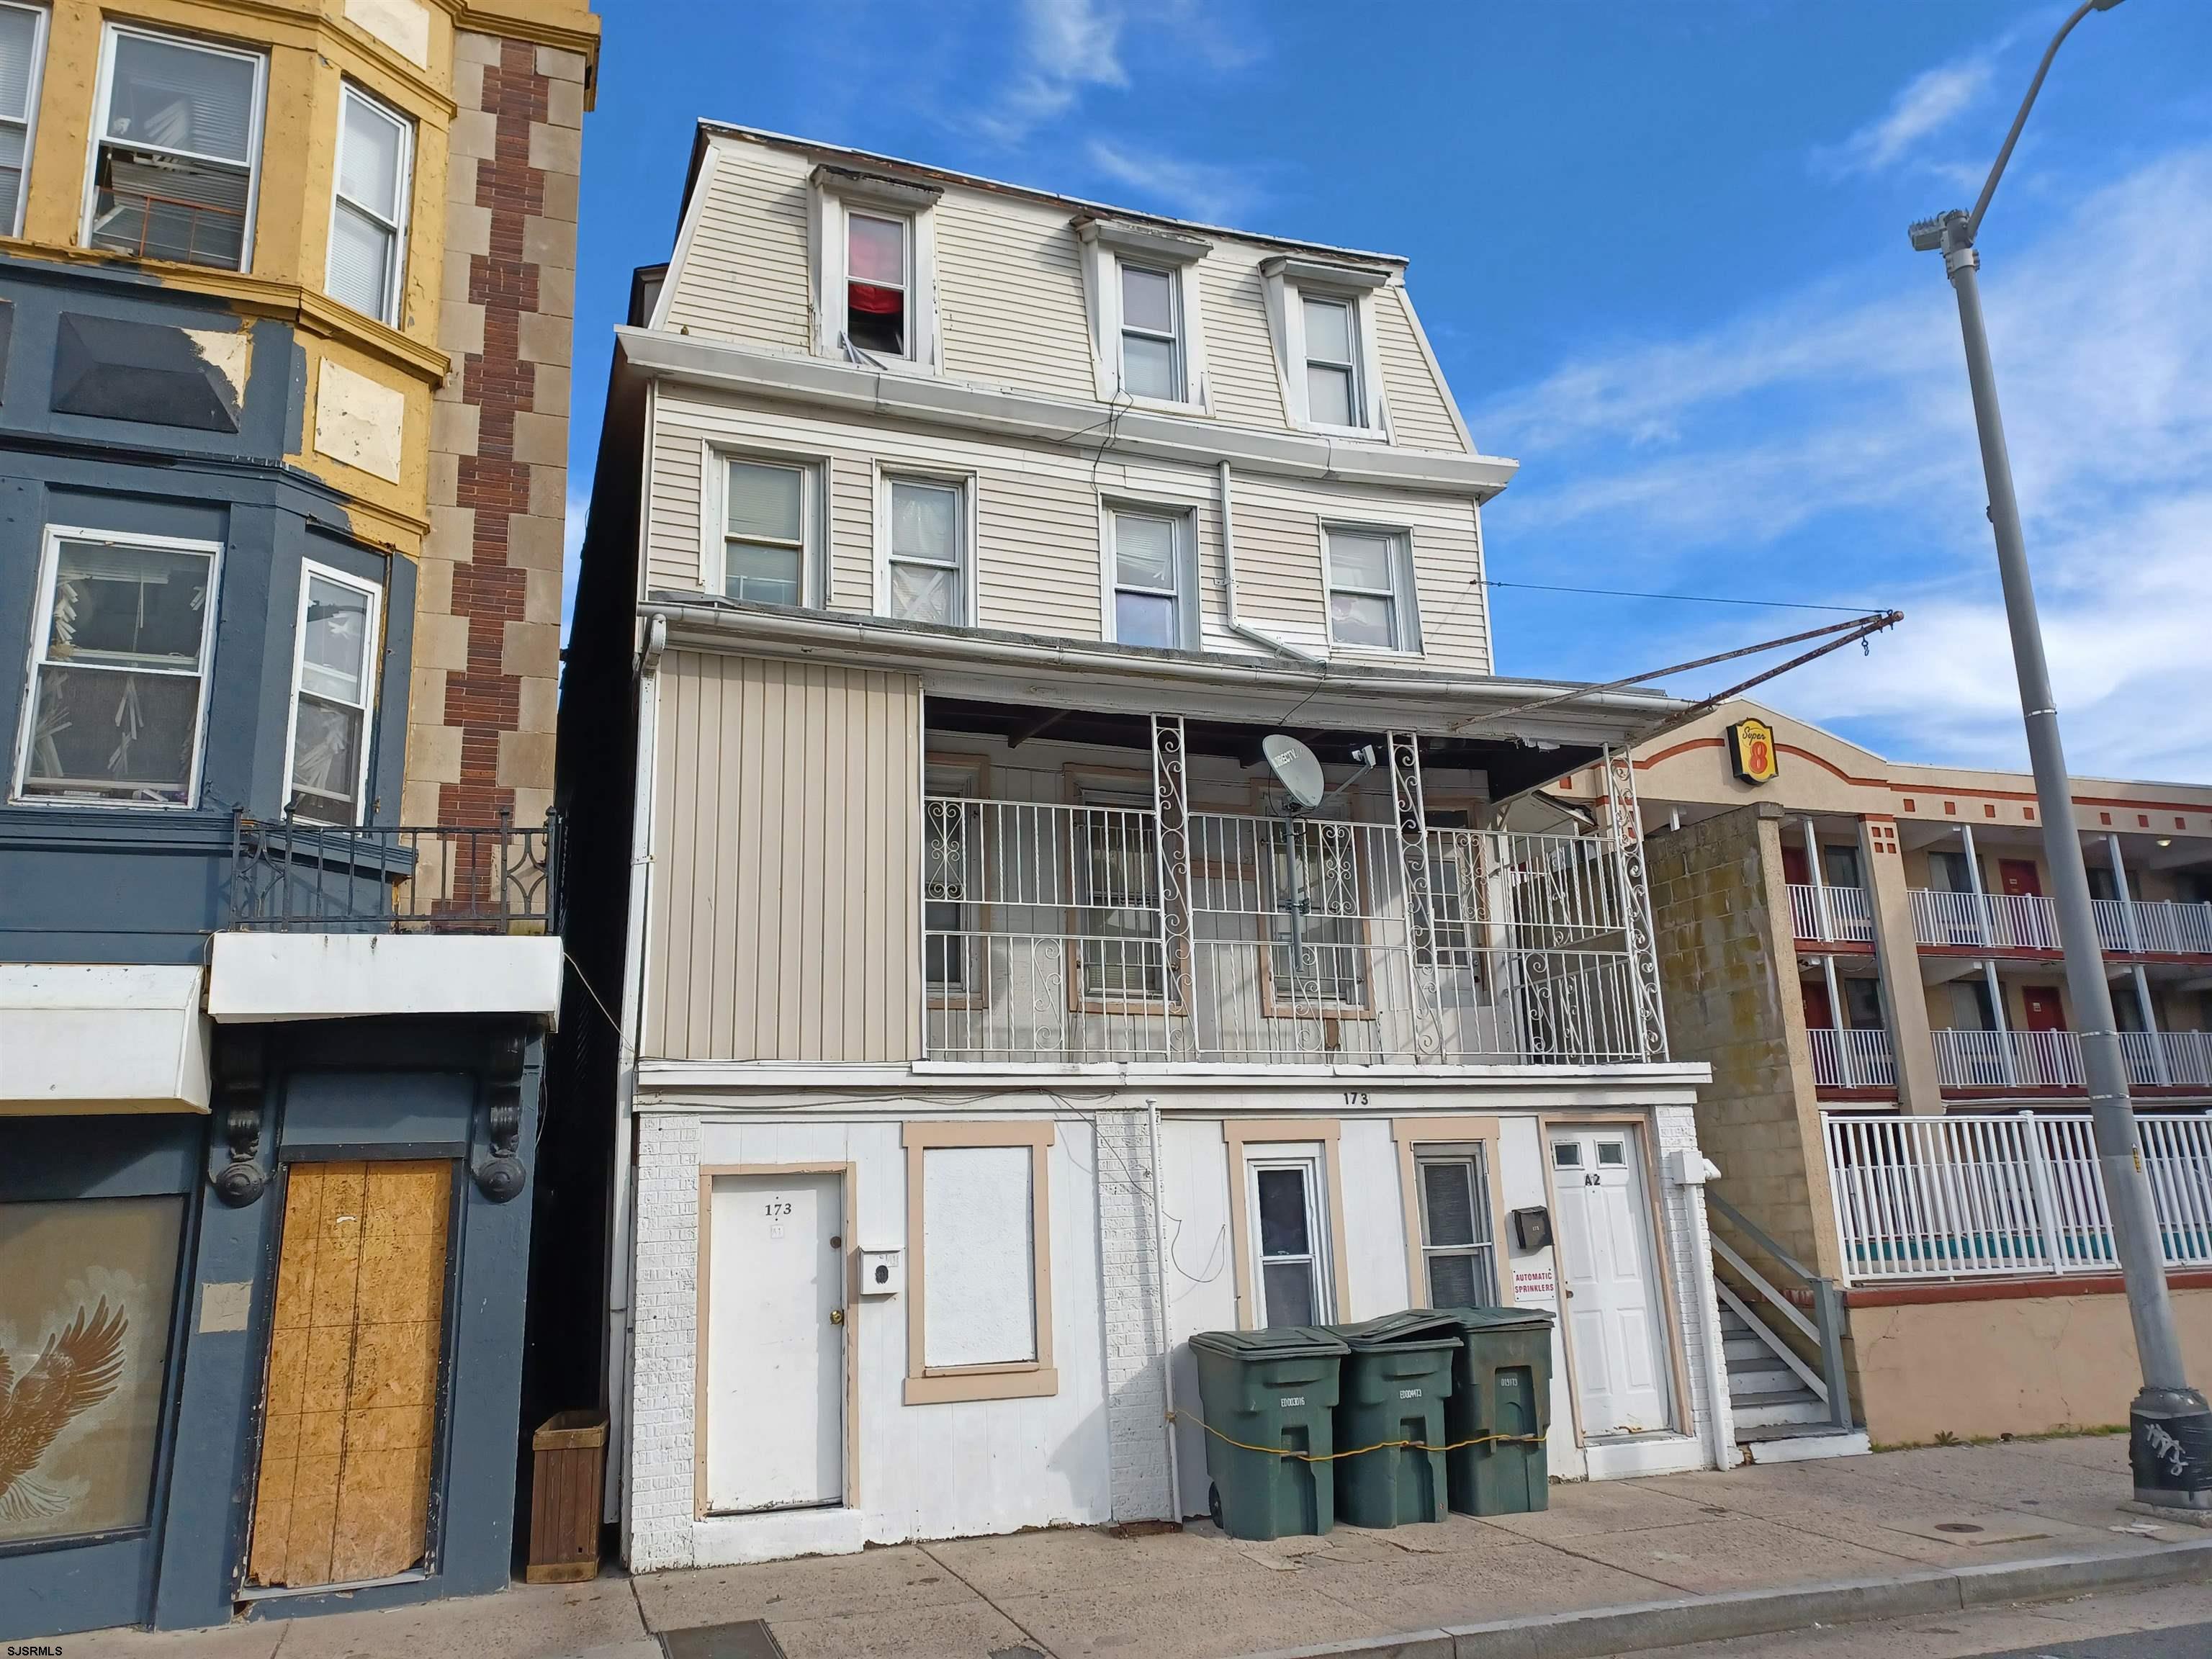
(1355, 1096)
(779, 1206)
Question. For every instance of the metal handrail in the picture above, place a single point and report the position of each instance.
(1826, 1325)
(288, 876)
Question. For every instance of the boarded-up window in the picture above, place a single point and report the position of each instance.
(978, 1254)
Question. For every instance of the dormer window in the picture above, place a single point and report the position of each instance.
(875, 282)
(1321, 316)
(1141, 283)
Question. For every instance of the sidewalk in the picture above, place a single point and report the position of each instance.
(1907, 1532)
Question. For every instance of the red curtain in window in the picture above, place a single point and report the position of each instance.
(881, 302)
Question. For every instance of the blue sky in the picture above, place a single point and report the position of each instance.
(1659, 246)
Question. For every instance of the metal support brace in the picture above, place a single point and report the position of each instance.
(1171, 849)
(1407, 801)
(1627, 829)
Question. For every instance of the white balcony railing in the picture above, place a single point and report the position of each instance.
(1832, 915)
(2007, 1059)
(2168, 1058)
(1850, 1059)
(1047, 939)
(1984, 921)
(1969, 1195)
(2157, 927)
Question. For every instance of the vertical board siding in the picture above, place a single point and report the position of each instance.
(745, 277)
(1419, 414)
(1010, 296)
(786, 857)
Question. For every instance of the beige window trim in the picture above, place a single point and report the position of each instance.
(1411, 1133)
(1023, 1379)
(1238, 1133)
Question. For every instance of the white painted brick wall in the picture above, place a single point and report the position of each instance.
(1136, 1396)
(1690, 1259)
(666, 1300)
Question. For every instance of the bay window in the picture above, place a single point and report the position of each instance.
(333, 697)
(22, 52)
(369, 209)
(176, 149)
(119, 675)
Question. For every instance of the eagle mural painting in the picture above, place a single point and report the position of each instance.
(75, 1371)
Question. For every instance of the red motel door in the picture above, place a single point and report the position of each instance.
(2021, 880)
(1794, 870)
(2040, 1008)
(1818, 1015)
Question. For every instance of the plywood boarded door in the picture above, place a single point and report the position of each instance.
(351, 1399)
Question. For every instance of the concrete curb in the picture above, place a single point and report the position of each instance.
(1641, 1625)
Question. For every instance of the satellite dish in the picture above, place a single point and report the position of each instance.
(1295, 768)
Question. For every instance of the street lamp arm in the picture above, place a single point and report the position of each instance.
(1989, 189)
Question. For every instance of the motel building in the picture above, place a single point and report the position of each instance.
(1866, 954)
(993, 1015)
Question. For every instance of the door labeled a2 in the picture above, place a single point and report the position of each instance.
(776, 1342)
(1614, 1320)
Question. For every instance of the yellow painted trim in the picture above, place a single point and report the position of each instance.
(492, 17)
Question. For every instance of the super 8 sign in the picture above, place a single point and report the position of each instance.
(1751, 751)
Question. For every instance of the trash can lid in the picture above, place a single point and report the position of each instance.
(1414, 1325)
(1495, 1319)
(1278, 1342)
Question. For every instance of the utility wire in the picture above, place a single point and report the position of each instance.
(1683, 598)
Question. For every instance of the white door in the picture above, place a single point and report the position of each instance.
(1613, 1316)
(776, 1342)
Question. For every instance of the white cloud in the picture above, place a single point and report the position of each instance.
(1067, 46)
(1194, 190)
(1926, 105)
(1823, 448)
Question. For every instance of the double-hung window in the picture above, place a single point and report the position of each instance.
(1317, 951)
(22, 54)
(928, 550)
(768, 516)
(1370, 590)
(368, 212)
(1334, 394)
(1119, 950)
(1150, 603)
(333, 697)
(1283, 1188)
(1151, 334)
(118, 679)
(879, 282)
(1458, 1253)
(177, 147)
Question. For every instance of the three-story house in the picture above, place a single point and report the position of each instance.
(1040, 799)
(285, 302)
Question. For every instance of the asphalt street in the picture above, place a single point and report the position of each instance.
(2180, 1642)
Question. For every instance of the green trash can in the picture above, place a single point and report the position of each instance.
(1268, 1388)
(1501, 1387)
(1396, 1378)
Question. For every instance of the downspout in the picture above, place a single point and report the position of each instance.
(1245, 630)
(621, 1326)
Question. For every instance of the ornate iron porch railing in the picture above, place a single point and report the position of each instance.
(287, 876)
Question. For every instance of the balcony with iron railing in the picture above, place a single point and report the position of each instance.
(1824, 914)
(1070, 934)
(287, 876)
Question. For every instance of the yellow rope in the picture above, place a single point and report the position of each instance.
(1380, 1445)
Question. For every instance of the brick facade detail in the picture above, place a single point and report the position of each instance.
(481, 708)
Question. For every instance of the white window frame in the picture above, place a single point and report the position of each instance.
(403, 190)
(371, 660)
(886, 478)
(1405, 605)
(1190, 623)
(1310, 1159)
(1287, 282)
(1474, 1157)
(255, 130)
(714, 521)
(42, 624)
(31, 90)
(837, 194)
(1108, 244)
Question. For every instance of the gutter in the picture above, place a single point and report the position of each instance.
(622, 1258)
(875, 642)
(1229, 589)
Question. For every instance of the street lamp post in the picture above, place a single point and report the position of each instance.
(2170, 1426)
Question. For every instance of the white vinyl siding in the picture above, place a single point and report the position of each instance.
(1240, 358)
(1010, 284)
(743, 277)
(23, 60)
(367, 257)
(176, 149)
(1420, 412)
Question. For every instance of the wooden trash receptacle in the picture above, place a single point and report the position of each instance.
(569, 1455)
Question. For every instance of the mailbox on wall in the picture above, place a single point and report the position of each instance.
(1532, 1228)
